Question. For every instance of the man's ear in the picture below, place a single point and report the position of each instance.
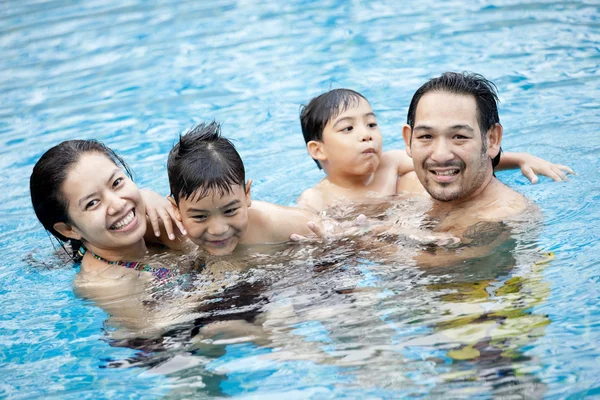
(316, 150)
(175, 207)
(248, 197)
(494, 139)
(67, 230)
(407, 136)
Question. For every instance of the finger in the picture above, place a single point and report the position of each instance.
(317, 230)
(529, 174)
(558, 172)
(294, 237)
(566, 169)
(166, 218)
(151, 213)
(553, 175)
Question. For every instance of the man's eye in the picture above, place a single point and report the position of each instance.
(460, 137)
(117, 182)
(230, 212)
(347, 129)
(424, 137)
(91, 204)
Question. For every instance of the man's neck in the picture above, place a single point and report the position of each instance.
(481, 193)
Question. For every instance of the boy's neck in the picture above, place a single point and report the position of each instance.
(351, 182)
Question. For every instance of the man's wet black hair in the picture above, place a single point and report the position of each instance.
(484, 92)
(204, 161)
(48, 176)
(322, 109)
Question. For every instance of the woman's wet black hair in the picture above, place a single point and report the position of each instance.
(323, 108)
(48, 176)
(204, 161)
(484, 92)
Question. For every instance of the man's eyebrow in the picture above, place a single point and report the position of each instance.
(461, 127)
(422, 128)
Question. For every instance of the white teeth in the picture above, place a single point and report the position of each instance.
(446, 173)
(124, 222)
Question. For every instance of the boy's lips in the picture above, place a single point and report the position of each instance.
(219, 243)
(370, 151)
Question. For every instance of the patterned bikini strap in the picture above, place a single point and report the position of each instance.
(158, 273)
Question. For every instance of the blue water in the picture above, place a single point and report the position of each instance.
(136, 74)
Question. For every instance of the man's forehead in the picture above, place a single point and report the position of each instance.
(447, 109)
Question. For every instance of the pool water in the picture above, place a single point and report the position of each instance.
(523, 322)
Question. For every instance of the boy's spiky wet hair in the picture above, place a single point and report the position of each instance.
(322, 109)
(204, 161)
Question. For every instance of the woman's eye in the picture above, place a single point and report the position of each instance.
(91, 204)
(117, 182)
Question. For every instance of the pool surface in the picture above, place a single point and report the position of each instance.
(521, 323)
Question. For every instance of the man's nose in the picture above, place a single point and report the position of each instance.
(442, 151)
(217, 227)
(115, 204)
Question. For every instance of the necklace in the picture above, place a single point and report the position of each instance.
(158, 273)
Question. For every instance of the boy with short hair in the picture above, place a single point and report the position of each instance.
(342, 136)
(212, 198)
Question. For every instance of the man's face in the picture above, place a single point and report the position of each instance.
(351, 142)
(447, 149)
(216, 223)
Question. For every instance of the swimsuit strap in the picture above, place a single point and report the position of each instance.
(159, 273)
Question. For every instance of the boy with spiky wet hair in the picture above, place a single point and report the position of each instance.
(212, 198)
(342, 136)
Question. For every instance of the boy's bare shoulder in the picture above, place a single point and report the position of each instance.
(276, 223)
(316, 198)
(409, 184)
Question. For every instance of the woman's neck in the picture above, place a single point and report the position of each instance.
(134, 252)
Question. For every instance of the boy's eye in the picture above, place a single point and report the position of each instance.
(117, 182)
(230, 212)
(372, 125)
(347, 129)
(199, 218)
(91, 204)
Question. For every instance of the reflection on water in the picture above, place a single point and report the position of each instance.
(380, 323)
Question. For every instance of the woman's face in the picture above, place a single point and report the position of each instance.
(105, 207)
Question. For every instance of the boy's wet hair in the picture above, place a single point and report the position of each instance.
(48, 176)
(322, 109)
(204, 161)
(466, 83)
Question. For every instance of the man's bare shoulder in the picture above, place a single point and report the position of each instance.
(503, 203)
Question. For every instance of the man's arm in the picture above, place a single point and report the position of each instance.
(532, 166)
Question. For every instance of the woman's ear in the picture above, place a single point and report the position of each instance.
(248, 197)
(67, 230)
(494, 140)
(175, 207)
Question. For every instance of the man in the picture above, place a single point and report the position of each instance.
(453, 135)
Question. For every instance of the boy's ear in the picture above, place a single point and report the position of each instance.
(175, 207)
(494, 139)
(67, 230)
(407, 136)
(248, 197)
(316, 151)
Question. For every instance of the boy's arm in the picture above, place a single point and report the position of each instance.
(403, 162)
(312, 200)
(531, 166)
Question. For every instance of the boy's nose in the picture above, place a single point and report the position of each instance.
(365, 135)
(217, 227)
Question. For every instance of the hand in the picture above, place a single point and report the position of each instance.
(532, 166)
(160, 209)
